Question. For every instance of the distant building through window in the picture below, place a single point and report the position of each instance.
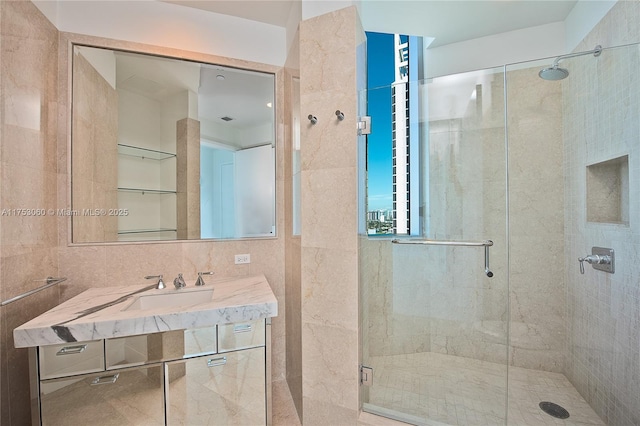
(393, 186)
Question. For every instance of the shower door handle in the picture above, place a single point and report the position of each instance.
(485, 243)
(487, 271)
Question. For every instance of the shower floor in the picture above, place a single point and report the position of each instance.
(436, 389)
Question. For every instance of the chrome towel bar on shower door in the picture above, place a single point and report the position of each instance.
(486, 244)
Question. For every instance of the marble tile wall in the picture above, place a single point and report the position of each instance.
(466, 157)
(536, 220)
(608, 191)
(329, 241)
(601, 104)
(28, 163)
(95, 144)
(188, 179)
(293, 260)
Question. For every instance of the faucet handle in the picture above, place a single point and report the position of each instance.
(200, 281)
(179, 282)
(160, 284)
(601, 259)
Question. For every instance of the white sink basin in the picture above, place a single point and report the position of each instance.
(175, 298)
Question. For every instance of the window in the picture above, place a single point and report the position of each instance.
(392, 104)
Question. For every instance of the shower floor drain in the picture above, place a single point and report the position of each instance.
(554, 410)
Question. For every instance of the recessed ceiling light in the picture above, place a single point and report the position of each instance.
(220, 77)
(269, 104)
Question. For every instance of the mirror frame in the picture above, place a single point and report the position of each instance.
(67, 41)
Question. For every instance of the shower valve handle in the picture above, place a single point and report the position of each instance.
(594, 259)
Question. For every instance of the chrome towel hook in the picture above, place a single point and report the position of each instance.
(340, 115)
(312, 118)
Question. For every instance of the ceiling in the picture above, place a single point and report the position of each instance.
(245, 97)
(447, 21)
(274, 12)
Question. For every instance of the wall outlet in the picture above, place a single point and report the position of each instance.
(243, 258)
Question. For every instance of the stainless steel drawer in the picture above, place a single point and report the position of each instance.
(241, 335)
(130, 396)
(223, 389)
(71, 358)
(155, 347)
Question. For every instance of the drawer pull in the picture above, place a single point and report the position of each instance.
(242, 328)
(214, 362)
(105, 380)
(70, 350)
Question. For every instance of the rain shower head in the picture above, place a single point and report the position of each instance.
(554, 72)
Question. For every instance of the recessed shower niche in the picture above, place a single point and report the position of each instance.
(608, 191)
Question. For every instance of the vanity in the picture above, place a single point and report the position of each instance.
(136, 355)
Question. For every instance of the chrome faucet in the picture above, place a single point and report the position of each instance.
(179, 282)
(601, 258)
(200, 281)
(160, 285)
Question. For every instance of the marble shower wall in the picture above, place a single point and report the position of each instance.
(437, 298)
(601, 103)
(466, 201)
(536, 217)
(28, 166)
(329, 78)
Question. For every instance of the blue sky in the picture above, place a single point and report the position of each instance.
(380, 74)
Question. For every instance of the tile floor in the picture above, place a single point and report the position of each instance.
(437, 389)
(284, 411)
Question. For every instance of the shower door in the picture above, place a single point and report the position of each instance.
(434, 319)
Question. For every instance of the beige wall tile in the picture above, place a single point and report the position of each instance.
(329, 217)
(85, 268)
(330, 350)
(28, 244)
(321, 413)
(330, 142)
(330, 368)
(292, 259)
(601, 105)
(330, 297)
(327, 52)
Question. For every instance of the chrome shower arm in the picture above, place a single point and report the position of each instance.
(595, 52)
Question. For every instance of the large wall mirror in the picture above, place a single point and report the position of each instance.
(168, 149)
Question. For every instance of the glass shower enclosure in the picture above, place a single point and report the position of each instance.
(435, 321)
(468, 334)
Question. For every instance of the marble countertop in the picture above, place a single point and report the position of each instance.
(100, 313)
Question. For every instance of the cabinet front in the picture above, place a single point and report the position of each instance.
(222, 389)
(132, 396)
